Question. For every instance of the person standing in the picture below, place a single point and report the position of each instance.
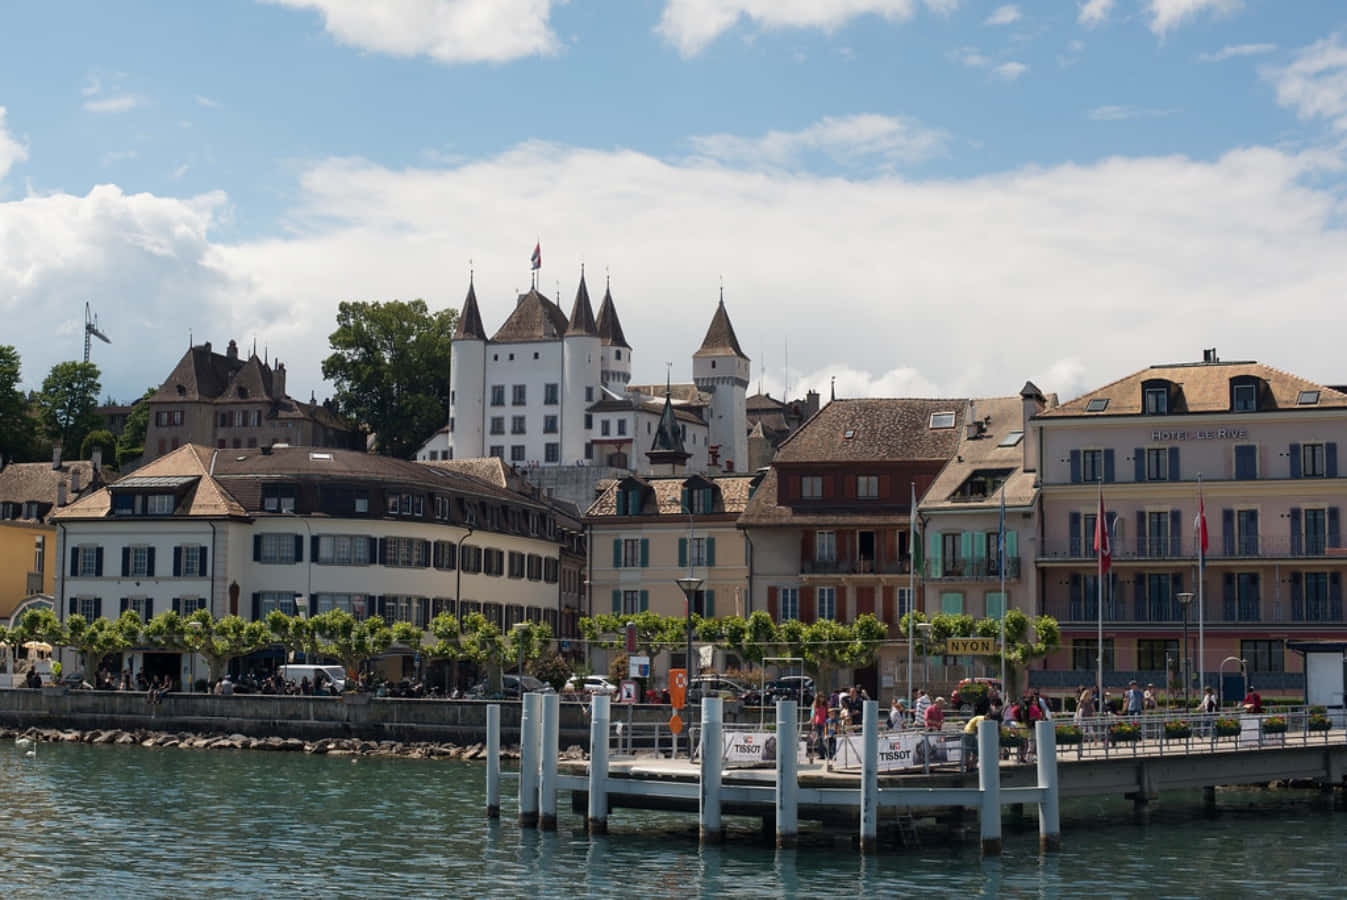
(934, 717)
(1133, 699)
(1208, 704)
(819, 721)
(1253, 701)
(919, 711)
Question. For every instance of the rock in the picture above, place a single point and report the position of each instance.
(124, 739)
(148, 742)
(107, 737)
(574, 751)
(171, 742)
(292, 745)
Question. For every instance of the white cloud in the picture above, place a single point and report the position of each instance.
(207, 102)
(1120, 113)
(1315, 83)
(1233, 50)
(1009, 71)
(118, 103)
(11, 150)
(449, 31)
(863, 138)
(1094, 12)
(690, 25)
(971, 57)
(1003, 15)
(1167, 14)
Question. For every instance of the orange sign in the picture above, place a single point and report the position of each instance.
(675, 724)
(678, 687)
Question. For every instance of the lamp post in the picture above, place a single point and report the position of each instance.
(519, 628)
(924, 631)
(1185, 598)
(195, 626)
(689, 584)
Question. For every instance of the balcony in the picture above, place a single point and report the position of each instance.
(855, 566)
(1255, 613)
(1218, 550)
(971, 569)
(34, 585)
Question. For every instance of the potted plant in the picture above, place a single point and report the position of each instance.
(1319, 722)
(1226, 727)
(1069, 734)
(1178, 730)
(1124, 733)
(1012, 737)
(1274, 725)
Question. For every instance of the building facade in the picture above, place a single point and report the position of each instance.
(1254, 445)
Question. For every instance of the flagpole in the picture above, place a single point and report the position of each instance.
(914, 556)
(1001, 557)
(1099, 531)
(1201, 581)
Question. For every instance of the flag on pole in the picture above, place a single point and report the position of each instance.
(537, 258)
(916, 548)
(1101, 542)
(1001, 539)
(1200, 528)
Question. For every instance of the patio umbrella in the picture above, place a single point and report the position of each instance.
(40, 646)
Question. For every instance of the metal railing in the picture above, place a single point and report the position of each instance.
(856, 566)
(980, 568)
(1307, 546)
(1123, 608)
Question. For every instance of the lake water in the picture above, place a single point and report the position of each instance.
(121, 821)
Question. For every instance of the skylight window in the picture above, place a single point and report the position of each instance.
(1307, 398)
(942, 420)
(317, 455)
(1011, 439)
(1099, 404)
(849, 434)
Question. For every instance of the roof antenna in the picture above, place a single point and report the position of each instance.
(189, 339)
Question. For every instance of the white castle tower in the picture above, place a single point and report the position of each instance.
(720, 368)
(581, 355)
(467, 382)
(616, 368)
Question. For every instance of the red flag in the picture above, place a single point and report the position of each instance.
(537, 258)
(1201, 523)
(1101, 544)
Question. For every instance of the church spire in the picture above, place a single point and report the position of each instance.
(667, 447)
(469, 326)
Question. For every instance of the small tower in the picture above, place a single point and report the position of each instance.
(616, 369)
(720, 368)
(667, 454)
(759, 448)
(467, 382)
(581, 358)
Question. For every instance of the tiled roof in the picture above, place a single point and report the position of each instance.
(582, 314)
(535, 318)
(1205, 389)
(734, 490)
(895, 429)
(207, 498)
(39, 483)
(763, 403)
(469, 325)
(490, 469)
(720, 338)
(763, 509)
(610, 329)
(201, 374)
(683, 393)
(1002, 416)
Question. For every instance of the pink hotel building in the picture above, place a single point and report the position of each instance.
(1264, 444)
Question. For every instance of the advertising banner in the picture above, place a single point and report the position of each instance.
(902, 750)
(746, 747)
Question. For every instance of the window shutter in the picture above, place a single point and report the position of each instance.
(711, 548)
(1294, 453)
(383, 551)
(965, 546)
(936, 568)
(1335, 596)
(257, 548)
(74, 606)
(1139, 464)
(1253, 530)
(645, 600)
(126, 561)
(1228, 596)
(374, 549)
(1075, 467)
(299, 548)
(177, 605)
(1295, 531)
(313, 548)
(1012, 549)
(149, 561)
(710, 612)
(645, 553)
(1334, 527)
(435, 555)
(98, 561)
(98, 608)
(1175, 586)
(1074, 532)
(1297, 598)
(74, 561)
(1174, 472)
(1139, 597)
(425, 553)
(1228, 531)
(682, 552)
(1108, 465)
(617, 553)
(1077, 611)
(1255, 597)
(1175, 532)
(257, 607)
(201, 562)
(687, 503)
(1331, 459)
(773, 604)
(125, 604)
(807, 605)
(1142, 546)
(617, 602)
(177, 561)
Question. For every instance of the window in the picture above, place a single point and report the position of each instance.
(278, 498)
(1315, 531)
(867, 486)
(1246, 462)
(535, 567)
(446, 554)
(631, 552)
(516, 564)
(1091, 465)
(497, 395)
(1312, 461)
(1154, 655)
(276, 600)
(1245, 398)
(904, 598)
(517, 425)
(1264, 656)
(1156, 401)
(549, 424)
(1157, 534)
(191, 558)
(1085, 654)
(405, 552)
(551, 394)
(940, 420)
(139, 560)
(159, 505)
(827, 603)
(1247, 597)
(951, 546)
(551, 572)
(497, 450)
(224, 420)
(141, 606)
(1246, 525)
(497, 424)
(1316, 599)
(789, 604)
(631, 602)
(517, 453)
(825, 546)
(40, 554)
(589, 421)
(519, 395)
(811, 487)
(697, 551)
(360, 503)
(1098, 404)
(995, 604)
(276, 548)
(1012, 438)
(604, 427)
(1157, 464)
(87, 561)
(1161, 606)
(621, 426)
(470, 559)
(552, 452)
(355, 604)
(589, 394)
(343, 550)
(1307, 398)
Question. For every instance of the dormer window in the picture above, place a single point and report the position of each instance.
(1244, 397)
(243, 393)
(1156, 401)
(278, 498)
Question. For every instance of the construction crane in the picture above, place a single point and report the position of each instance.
(91, 330)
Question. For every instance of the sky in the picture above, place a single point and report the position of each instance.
(901, 197)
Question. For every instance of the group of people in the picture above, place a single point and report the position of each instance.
(1137, 701)
(835, 715)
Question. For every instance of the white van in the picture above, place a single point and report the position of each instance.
(319, 676)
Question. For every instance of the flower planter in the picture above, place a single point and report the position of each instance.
(1274, 725)
(1178, 731)
(1124, 734)
(1226, 728)
(1068, 734)
(1320, 723)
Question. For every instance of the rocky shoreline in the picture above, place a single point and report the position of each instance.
(352, 747)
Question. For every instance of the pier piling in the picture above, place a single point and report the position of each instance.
(787, 776)
(710, 827)
(1049, 820)
(493, 761)
(597, 820)
(989, 781)
(530, 714)
(870, 777)
(547, 782)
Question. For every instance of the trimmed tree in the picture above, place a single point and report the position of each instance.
(220, 641)
(349, 641)
(480, 641)
(96, 639)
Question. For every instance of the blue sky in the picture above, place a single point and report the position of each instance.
(914, 196)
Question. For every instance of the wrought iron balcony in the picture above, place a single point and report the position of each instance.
(971, 569)
(1310, 546)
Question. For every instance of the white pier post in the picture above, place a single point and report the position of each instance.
(547, 782)
(530, 711)
(710, 825)
(1049, 821)
(493, 761)
(787, 776)
(870, 777)
(989, 782)
(597, 819)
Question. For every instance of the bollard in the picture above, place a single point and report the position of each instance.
(597, 820)
(493, 761)
(1049, 820)
(989, 782)
(870, 777)
(787, 777)
(547, 781)
(530, 712)
(709, 783)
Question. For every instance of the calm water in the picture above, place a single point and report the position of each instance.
(117, 821)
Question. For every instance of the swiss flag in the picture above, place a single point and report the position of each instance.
(1201, 524)
(1101, 544)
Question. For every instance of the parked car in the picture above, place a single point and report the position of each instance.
(714, 686)
(960, 702)
(799, 688)
(510, 687)
(590, 684)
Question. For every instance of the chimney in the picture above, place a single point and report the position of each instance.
(56, 457)
(278, 381)
(74, 481)
(971, 425)
(1209, 355)
(232, 351)
(1033, 402)
(60, 494)
(96, 461)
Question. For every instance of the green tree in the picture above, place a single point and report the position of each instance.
(131, 442)
(294, 633)
(1027, 639)
(481, 642)
(551, 668)
(99, 437)
(68, 401)
(390, 364)
(18, 428)
(222, 640)
(532, 638)
(96, 639)
(349, 641)
(166, 632)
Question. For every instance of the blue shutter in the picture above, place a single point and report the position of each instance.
(1295, 532)
(621, 502)
(299, 548)
(425, 553)
(149, 561)
(257, 548)
(617, 553)
(1228, 532)
(1139, 597)
(710, 612)
(1075, 466)
(1174, 473)
(1255, 598)
(711, 549)
(1075, 547)
(74, 561)
(313, 548)
(687, 503)
(1294, 453)
(1297, 598)
(1228, 596)
(1012, 552)
(125, 604)
(126, 561)
(177, 561)
(98, 607)
(1251, 545)
(1334, 527)
(1143, 546)
(645, 600)
(1175, 532)
(1077, 610)
(1139, 464)
(645, 553)
(74, 606)
(682, 552)
(934, 562)
(257, 607)
(98, 561)
(1331, 459)
(201, 562)
(1335, 596)
(1108, 465)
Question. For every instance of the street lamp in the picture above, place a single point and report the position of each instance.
(1185, 598)
(924, 630)
(689, 584)
(519, 628)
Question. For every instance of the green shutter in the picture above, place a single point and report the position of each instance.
(687, 502)
(1012, 547)
(979, 547)
(951, 603)
(645, 552)
(710, 551)
(966, 546)
(621, 502)
(710, 611)
(645, 600)
(682, 552)
(935, 568)
(995, 603)
(617, 603)
(617, 553)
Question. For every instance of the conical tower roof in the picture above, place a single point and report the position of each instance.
(667, 447)
(582, 314)
(720, 338)
(470, 319)
(610, 329)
